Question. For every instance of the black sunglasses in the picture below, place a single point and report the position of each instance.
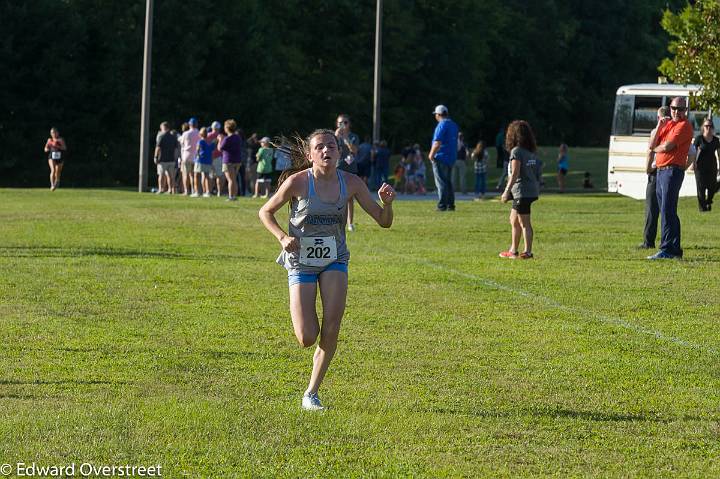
(678, 108)
(708, 126)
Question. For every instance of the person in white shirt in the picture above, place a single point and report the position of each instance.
(188, 152)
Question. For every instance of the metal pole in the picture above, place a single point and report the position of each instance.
(145, 112)
(378, 62)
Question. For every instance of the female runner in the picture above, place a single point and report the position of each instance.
(314, 250)
(55, 149)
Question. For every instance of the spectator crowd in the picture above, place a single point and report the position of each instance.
(220, 160)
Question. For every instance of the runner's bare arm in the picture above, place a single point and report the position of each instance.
(383, 215)
(290, 187)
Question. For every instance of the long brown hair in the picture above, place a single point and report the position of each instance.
(519, 133)
(479, 148)
(299, 150)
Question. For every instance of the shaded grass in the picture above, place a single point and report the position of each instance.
(141, 329)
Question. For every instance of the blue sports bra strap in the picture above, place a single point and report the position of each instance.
(311, 184)
(343, 191)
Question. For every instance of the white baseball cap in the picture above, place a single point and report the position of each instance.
(440, 110)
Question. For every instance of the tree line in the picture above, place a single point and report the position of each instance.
(695, 49)
(284, 66)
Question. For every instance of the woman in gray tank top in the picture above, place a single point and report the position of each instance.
(314, 250)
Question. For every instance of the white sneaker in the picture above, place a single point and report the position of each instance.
(206, 195)
(194, 195)
(351, 227)
(311, 402)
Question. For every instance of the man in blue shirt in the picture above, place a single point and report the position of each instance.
(443, 154)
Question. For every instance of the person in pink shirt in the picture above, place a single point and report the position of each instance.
(188, 151)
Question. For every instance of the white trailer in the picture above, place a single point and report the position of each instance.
(634, 118)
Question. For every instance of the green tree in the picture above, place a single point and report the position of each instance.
(281, 66)
(695, 46)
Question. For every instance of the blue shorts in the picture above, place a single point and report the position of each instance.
(295, 278)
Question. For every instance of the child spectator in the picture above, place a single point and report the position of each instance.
(562, 165)
(419, 170)
(399, 175)
(409, 162)
(203, 165)
(264, 168)
(480, 158)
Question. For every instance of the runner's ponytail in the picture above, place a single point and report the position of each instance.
(299, 151)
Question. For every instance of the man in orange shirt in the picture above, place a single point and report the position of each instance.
(670, 145)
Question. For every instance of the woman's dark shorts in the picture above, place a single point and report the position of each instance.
(522, 205)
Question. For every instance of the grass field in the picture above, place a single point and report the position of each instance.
(145, 330)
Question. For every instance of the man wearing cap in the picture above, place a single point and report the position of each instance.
(188, 151)
(670, 146)
(443, 154)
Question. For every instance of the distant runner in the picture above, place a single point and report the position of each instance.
(55, 148)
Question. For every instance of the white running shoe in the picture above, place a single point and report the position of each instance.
(206, 195)
(311, 402)
(195, 195)
(351, 227)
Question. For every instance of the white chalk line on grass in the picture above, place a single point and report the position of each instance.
(575, 311)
